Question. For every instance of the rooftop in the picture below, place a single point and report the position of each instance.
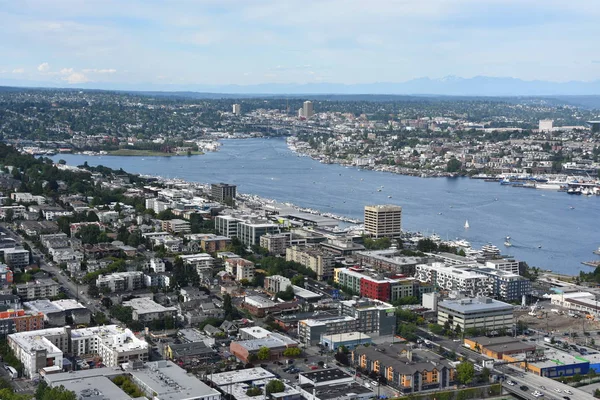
(244, 375)
(346, 337)
(336, 392)
(146, 306)
(68, 304)
(171, 382)
(326, 375)
(477, 304)
(330, 320)
(44, 306)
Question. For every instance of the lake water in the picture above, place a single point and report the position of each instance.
(267, 168)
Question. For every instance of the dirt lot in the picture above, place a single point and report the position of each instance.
(554, 323)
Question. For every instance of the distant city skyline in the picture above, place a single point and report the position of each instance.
(150, 44)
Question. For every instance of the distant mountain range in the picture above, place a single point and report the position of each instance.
(447, 86)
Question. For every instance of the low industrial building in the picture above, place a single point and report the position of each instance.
(159, 380)
(497, 347)
(479, 312)
(191, 354)
(53, 315)
(552, 364)
(246, 350)
(236, 383)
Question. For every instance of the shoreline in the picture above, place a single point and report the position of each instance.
(573, 185)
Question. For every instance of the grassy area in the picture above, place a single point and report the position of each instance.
(148, 153)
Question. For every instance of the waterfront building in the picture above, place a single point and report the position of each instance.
(307, 109)
(223, 192)
(317, 260)
(383, 221)
(504, 264)
(478, 312)
(409, 370)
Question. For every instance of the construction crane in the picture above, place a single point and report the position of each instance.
(534, 308)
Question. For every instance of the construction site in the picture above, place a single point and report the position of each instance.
(556, 320)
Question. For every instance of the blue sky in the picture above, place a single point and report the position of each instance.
(71, 42)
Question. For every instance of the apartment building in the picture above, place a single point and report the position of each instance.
(176, 226)
(373, 316)
(121, 281)
(317, 260)
(223, 192)
(275, 243)
(16, 258)
(276, 283)
(466, 280)
(250, 232)
(240, 268)
(147, 310)
(202, 262)
(40, 288)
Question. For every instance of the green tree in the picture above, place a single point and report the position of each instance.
(275, 386)
(465, 371)
(228, 306)
(264, 353)
(254, 391)
(287, 294)
(292, 352)
(453, 165)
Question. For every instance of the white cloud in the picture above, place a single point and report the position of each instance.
(76, 77)
(99, 71)
(18, 71)
(66, 71)
(43, 67)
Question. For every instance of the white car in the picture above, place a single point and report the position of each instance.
(537, 394)
(567, 391)
(510, 383)
(557, 390)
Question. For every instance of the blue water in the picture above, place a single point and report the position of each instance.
(267, 168)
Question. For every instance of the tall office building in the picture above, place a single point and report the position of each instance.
(383, 221)
(223, 192)
(237, 109)
(307, 109)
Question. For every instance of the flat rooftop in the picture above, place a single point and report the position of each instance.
(347, 337)
(326, 375)
(44, 306)
(477, 304)
(171, 382)
(336, 392)
(304, 293)
(147, 306)
(245, 375)
(68, 304)
(325, 321)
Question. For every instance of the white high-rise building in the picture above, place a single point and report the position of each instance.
(307, 109)
(237, 109)
(545, 125)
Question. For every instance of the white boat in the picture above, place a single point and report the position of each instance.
(467, 224)
(507, 242)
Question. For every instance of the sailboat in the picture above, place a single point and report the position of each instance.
(467, 224)
(507, 242)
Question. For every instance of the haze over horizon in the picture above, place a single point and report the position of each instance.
(325, 45)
